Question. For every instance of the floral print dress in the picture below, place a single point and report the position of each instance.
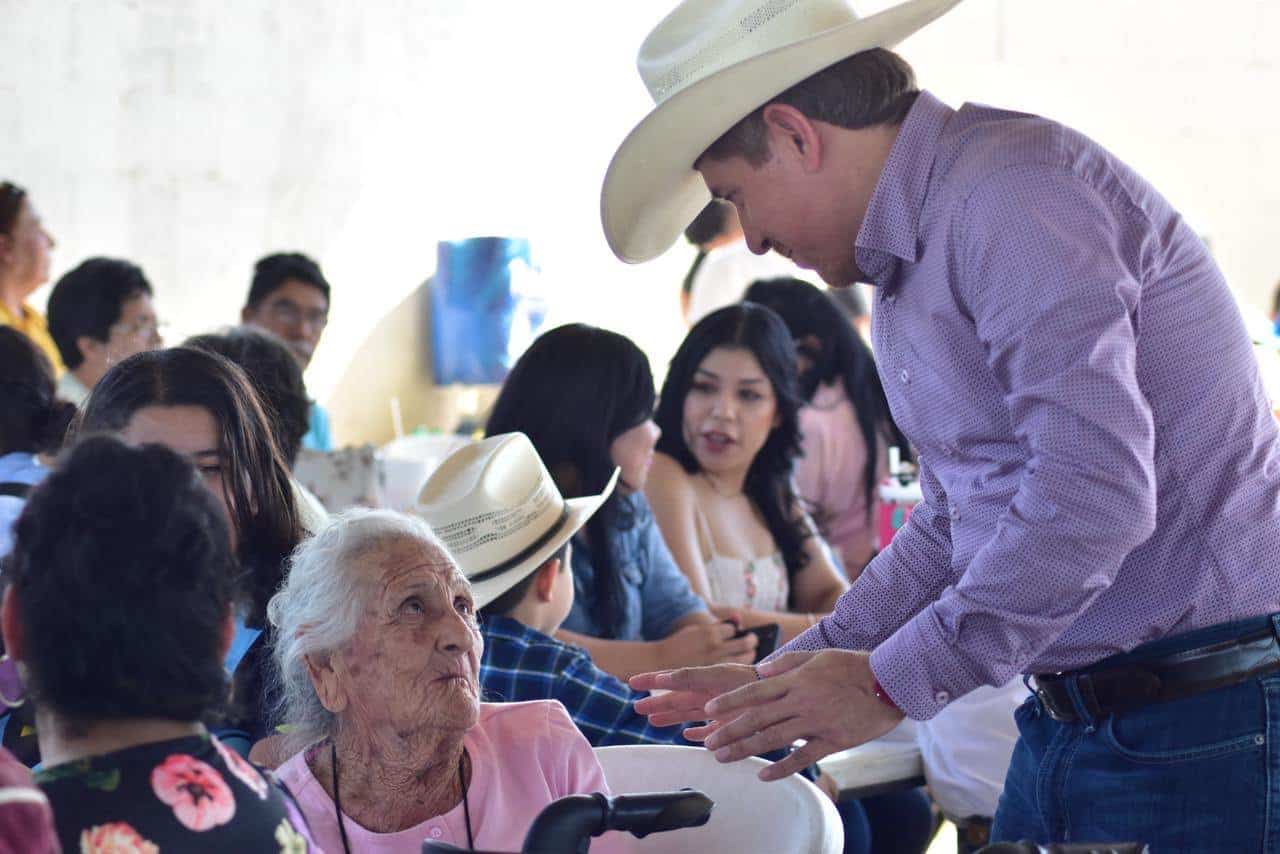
(189, 794)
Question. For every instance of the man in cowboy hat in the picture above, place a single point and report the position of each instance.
(1100, 469)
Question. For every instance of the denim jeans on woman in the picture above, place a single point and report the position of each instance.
(1196, 774)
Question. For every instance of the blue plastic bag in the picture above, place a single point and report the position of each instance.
(485, 309)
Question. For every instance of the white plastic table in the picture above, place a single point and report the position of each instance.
(890, 763)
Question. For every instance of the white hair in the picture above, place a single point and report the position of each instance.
(317, 610)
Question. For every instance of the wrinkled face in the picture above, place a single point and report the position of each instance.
(137, 330)
(784, 209)
(297, 312)
(192, 432)
(632, 451)
(729, 411)
(25, 251)
(414, 663)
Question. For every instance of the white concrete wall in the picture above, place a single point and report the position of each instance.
(193, 135)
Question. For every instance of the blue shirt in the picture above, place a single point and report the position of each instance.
(522, 664)
(320, 436)
(656, 593)
(16, 468)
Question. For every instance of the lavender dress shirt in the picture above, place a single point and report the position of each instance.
(1099, 461)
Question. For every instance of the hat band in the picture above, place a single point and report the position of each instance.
(527, 552)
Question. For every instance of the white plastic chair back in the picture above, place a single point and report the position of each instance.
(750, 816)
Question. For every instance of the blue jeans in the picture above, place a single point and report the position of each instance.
(894, 823)
(1196, 774)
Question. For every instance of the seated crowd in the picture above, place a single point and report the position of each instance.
(436, 676)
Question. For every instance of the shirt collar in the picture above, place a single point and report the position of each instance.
(890, 230)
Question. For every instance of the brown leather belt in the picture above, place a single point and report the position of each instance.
(1105, 691)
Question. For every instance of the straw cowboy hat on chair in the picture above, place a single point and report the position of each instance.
(708, 65)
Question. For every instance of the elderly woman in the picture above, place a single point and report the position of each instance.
(379, 657)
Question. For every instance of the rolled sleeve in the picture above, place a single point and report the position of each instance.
(1053, 293)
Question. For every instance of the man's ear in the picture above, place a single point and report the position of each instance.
(246, 314)
(90, 348)
(323, 670)
(793, 135)
(545, 583)
(11, 625)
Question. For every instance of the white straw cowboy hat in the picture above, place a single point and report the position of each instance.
(707, 66)
(497, 510)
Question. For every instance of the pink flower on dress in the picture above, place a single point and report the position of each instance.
(115, 838)
(244, 772)
(200, 798)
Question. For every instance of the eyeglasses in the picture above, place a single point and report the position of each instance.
(148, 327)
(290, 313)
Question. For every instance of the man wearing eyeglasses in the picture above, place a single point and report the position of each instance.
(289, 296)
(100, 313)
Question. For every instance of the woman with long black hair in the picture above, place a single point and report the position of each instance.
(845, 422)
(584, 397)
(204, 407)
(721, 485)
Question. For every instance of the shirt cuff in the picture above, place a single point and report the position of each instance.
(919, 668)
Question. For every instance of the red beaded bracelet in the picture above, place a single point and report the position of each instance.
(885, 698)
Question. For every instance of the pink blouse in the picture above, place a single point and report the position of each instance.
(523, 757)
(831, 475)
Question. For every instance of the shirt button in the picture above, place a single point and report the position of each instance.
(955, 513)
(436, 833)
(905, 376)
(942, 697)
(889, 298)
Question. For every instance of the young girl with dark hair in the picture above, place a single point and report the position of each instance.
(845, 422)
(584, 397)
(32, 424)
(204, 407)
(721, 484)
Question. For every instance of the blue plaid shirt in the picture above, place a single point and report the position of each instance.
(521, 663)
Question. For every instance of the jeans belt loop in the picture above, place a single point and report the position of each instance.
(1275, 625)
(1080, 690)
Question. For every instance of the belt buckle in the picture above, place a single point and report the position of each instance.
(1047, 702)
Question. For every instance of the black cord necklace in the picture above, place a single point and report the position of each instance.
(337, 798)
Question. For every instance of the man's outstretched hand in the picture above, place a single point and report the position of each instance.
(825, 698)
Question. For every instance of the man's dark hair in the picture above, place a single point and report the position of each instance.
(271, 272)
(710, 223)
(513, 596)
(871, 88)
(32, 419)
(89, 300)
(123, 569)
(276, 378)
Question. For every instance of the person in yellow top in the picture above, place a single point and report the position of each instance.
(25, 246)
